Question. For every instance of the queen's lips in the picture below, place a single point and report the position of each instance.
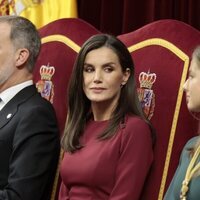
(97, 89)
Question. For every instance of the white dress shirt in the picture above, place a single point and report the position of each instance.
(9, 93)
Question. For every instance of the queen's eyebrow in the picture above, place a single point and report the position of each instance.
(87, 65)
(109, 63)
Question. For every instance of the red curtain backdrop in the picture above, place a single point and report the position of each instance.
(123, 16)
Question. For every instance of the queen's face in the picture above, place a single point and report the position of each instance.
(103, 76)
(192, 87)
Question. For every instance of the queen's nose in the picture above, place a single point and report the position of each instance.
(97, 76)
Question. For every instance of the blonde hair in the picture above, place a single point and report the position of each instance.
(196, 57)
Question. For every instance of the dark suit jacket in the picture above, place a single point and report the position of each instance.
(29, 147)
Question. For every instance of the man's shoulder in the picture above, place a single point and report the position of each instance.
(29, 98)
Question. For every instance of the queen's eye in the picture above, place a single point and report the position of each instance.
(88, 69)
(108, 68)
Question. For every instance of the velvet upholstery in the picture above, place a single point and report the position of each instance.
(61, 41)
(164, 47)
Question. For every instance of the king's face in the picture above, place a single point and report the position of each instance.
(7, 57)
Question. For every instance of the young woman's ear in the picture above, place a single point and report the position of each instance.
(22, 56)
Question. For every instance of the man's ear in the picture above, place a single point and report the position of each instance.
(22, 56)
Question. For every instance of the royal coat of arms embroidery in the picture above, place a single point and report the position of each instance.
(146, 94)
(45, 85)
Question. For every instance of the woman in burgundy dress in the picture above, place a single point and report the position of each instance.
(107, 139)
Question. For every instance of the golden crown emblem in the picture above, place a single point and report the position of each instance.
(47, 72)
(147, 79)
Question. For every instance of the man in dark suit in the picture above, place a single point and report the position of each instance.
(29, 137)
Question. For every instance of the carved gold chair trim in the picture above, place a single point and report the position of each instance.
(185, 59)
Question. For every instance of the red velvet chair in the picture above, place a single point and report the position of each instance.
(61, 40)
(161, 52)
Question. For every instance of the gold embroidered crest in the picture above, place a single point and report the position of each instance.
(45, 85)
(146, 94)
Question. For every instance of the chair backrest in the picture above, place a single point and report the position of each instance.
(161, 52)
(61, 40)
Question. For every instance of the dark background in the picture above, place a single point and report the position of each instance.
(122, 16)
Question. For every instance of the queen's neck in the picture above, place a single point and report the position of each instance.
(102, 111)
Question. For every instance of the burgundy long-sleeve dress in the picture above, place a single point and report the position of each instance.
(112, 169)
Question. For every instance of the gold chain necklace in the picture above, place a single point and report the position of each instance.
(189, 174)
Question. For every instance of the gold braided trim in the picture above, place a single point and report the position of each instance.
(63, 39)
(185, 58)
(55, 183)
